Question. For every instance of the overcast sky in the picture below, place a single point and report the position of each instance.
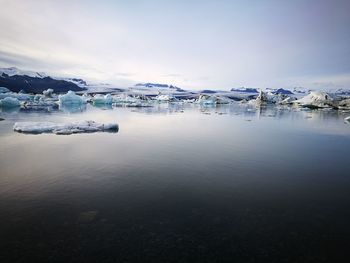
(192, 44)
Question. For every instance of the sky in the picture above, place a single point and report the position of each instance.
(191, 44)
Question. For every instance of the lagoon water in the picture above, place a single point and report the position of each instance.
(177, 183)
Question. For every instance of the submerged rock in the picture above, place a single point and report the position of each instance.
(64, 128)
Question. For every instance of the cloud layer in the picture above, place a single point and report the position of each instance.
(195, 44)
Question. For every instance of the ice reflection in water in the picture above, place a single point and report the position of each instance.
(178, 182)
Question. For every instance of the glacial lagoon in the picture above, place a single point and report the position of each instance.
(177, 183)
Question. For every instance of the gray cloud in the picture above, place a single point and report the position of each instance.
(268, 43)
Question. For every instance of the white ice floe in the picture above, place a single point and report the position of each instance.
(273, 97)
(347, 119)
(4, 90)
(71, 99)
(223, 100)
(165, 98)
(9, 102)
(125, 98)
(286, 101)
(102, 99)
(48, 93)
(262, 98)
(19, 96)
(345, 103)
(86, 97)
(64, 128)
(37, 97)
(205, 99)
(316, 99)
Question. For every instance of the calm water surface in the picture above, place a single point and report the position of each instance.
(177, 183)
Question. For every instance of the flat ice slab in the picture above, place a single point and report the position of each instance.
(64, 128)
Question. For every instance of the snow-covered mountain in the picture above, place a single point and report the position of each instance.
(36, 82)
(12, 71)
(157, 86)
(243, 89)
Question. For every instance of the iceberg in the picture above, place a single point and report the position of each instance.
(165, 98)
(271, 97)
(347, 119)
(286, 101)
(48, 93)
(205, 99)
(64, 128)
(19, 96)
(262, 98)
(223, 100)
(9, 102)
(40, 103)
(124, 98)
(4, 90)
(316, 99)
(86, 97)
(345, 103)
(70, 98)
(100, 99)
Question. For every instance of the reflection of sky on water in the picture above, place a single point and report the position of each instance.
(267, 171)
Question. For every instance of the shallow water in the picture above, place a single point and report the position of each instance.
(177, 183)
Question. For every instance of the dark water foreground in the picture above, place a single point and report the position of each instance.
(178, 184)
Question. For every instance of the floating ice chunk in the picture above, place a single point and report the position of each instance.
(344, 103)
(37, 97)
(286, 101)
(70, 98)
(4, 90)
(223, 100)
(124, 98)
(64, 128)
(317, 99)
(205, 99)
(165, 97)
(41, 103)
(48, 93)
(86, 97)
(19, 96)
(262, 98)
(272, 98)
(347, 119)
(100, 99)
(9, 102)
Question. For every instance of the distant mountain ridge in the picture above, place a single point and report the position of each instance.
(36, 82)
(158, 85)
(242, 89)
